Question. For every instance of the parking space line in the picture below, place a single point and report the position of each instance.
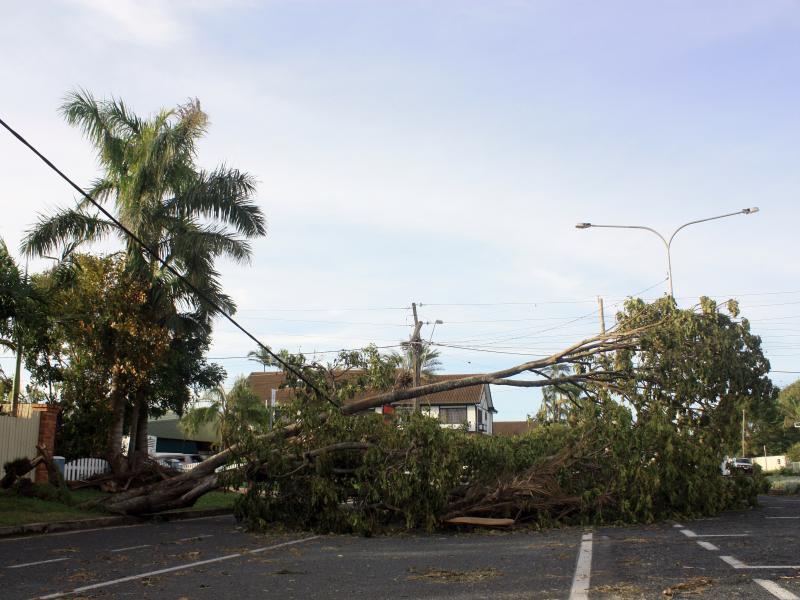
(583, 570)
(691, 534)
(708, 546)
(776, 590)
(38, 562)
(182, 567)
(735, 563)
(130, 548)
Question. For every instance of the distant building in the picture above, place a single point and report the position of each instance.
(471, 405)
(170, 437)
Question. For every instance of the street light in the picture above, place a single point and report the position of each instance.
(668, 243)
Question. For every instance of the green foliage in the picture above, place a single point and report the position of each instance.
(701, 366)
(402, 475)
(789, 403)
(231, 413)
(793, 453)
(368, 473)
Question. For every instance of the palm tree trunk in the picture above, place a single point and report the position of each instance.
(114, 447)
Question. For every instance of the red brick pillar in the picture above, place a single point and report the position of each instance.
(47, 434)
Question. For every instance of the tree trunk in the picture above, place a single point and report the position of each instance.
(114, 447)
(141, 431)
(132, 433)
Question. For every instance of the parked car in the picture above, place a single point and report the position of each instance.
(177, 461)
(744, 465)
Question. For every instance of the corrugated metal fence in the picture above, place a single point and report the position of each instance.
(18, 437)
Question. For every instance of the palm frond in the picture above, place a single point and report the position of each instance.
(222, 195)
(66, 227)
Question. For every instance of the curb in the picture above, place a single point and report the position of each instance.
(187, 514)
(38, 528)
(32, 529)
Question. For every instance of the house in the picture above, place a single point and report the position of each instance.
(471, 405)
(170, 437)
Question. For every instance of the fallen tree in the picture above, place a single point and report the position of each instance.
(651, 406)
(183, 490)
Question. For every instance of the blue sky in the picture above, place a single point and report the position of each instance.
(441, 152)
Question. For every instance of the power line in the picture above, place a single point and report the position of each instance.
(164, 263)
(354, 309)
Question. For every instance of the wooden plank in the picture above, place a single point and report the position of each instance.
(480, 521)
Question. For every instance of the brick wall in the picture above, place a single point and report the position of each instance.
(48, 416)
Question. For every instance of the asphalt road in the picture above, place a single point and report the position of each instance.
(742, 554)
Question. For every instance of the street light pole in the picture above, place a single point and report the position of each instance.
(668, 243)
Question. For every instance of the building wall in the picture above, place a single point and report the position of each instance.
(770, 463)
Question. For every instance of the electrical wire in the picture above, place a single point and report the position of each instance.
(164, 264)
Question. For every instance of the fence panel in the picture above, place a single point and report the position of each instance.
(83, 468)
(18, 437)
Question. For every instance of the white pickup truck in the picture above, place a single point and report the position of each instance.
(742, 464)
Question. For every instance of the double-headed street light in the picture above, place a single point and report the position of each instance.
(668, 243)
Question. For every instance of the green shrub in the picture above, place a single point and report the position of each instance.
(793, 453)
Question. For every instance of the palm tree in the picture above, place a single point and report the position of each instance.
(232, 412)
(429, 360)
(185, 215)
(558, 401)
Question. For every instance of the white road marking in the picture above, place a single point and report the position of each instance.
(196, 537)
(723, 535)
(735, 563)
(691, 534)
(38, 562)
(291, 543)
(173, 569)
(708, 546)
(583, 570)
(130, 548)
(678, 525)
(776, 590)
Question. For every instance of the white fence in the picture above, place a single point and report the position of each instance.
(83, 468)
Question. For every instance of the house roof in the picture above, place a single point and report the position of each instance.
(263, 384)
(511, 428)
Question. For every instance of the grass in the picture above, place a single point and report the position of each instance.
(21, 510)
(784, 484)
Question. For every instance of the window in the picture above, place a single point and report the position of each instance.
(453, 415)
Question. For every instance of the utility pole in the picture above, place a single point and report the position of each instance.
(18, 366)
(602, 316)
(743, 432)
(416, 352)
